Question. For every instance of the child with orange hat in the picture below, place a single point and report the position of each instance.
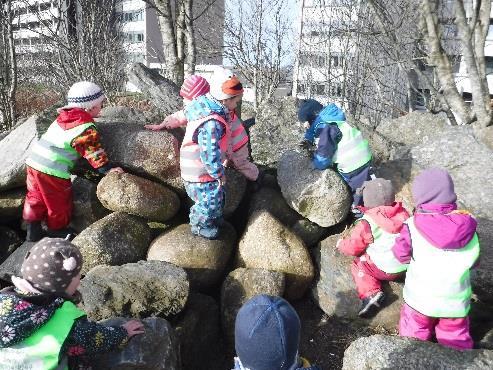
(238, 153)
(204, 149)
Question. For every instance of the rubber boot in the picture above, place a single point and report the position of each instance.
(34, 231)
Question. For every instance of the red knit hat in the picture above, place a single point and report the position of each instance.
(194, 86)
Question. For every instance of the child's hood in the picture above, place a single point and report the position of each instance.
(72, 117)
(19, 317)
(389, 218)
(204, 106)
(443, 226)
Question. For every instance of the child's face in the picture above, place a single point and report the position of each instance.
(186, 102)
(94, 111)
(73, 286)
(231, 103)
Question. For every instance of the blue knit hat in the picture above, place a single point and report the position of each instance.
(267, 334)
(309, 110)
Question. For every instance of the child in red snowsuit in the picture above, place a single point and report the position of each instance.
(371, 241)
(71, 136)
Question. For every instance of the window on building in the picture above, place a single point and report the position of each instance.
(133, 37)
(489, 65)
(131, 16)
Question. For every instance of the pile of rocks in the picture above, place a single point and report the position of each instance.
(141, 259)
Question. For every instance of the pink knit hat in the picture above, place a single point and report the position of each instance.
(194, 86)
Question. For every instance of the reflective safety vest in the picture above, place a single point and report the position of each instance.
(380, 251)
(352, 151)
(41, 350)
(437, 280)
(53, 154)
(192, 168)
(239, 135)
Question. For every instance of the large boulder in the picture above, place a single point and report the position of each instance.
(114, 240)
(272, 201)
(276, 130)
(138, 196)
(11, 204)
(320, 196)
(145, 153)
(335, 292)
(268, 244)
(241, 285)
(235, 190)
(163, 92)
(472, 172)
(198, 332)
(203, 259)
(87, 207)
(386, 352)
(145, 288)
(15, 147)
(482, 274)
(156, 349)
(12, 265)
(9, 241)
(121, 114)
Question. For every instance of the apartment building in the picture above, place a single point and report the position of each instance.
(139, 24)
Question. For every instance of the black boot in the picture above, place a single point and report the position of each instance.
(34, 231)
(66, 233)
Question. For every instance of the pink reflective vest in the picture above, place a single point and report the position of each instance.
(192, 168)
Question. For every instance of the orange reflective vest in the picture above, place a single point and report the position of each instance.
(192, 167)
(239, 135)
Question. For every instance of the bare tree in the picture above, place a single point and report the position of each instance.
(8, 67)
(257, 43)
(76, 40)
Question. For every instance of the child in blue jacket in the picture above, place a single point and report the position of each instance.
(337, 143)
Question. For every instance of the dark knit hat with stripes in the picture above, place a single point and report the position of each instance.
(51, 264)
(84, 94)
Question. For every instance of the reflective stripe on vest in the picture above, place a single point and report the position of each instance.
(239, 135)
(380, 251)
(41, 350)
(437, 280)
(192, 168)
(53, 154)
(352, 151)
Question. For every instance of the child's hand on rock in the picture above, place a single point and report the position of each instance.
(134, 327)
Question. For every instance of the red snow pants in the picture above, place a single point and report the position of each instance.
(48, 198)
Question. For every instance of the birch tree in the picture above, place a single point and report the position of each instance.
(257, 42)
(8, 67)
(79, 40)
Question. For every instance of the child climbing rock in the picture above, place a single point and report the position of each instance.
(337, 143)
(204, 149)
(73, 135)
(371, 240)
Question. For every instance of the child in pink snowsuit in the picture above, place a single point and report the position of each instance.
(441, 246)
(371, 241)
(238, 154)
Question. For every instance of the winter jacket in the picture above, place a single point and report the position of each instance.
(22, 314)
(71, 136)
(440, 224)
(389, 218)
(208, 135)
(338, 142)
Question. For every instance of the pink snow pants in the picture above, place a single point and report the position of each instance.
(450, 332)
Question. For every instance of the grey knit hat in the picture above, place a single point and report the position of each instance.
(377, 192)
(51, 264)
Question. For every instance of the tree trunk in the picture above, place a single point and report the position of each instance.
(174, 66)
(191, 55)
